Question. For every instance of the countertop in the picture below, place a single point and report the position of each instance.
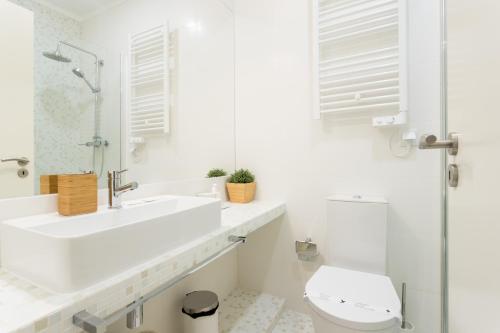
(26, 308)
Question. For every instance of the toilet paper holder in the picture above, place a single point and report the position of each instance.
(306, 250)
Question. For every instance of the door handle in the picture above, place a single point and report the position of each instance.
(21, 161)
(430, 141)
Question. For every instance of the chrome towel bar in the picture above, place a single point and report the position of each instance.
(93, 324)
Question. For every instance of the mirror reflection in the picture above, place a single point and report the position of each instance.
(98, 88)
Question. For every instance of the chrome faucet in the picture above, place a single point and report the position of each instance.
(116, 189)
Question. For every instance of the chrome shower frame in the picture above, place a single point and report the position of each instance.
(444, 172)
(97, 140)
(97, 85)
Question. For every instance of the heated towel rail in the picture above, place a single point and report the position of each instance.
(360, 54)
(149, 88)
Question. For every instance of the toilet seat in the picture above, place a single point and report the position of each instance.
(356, 300)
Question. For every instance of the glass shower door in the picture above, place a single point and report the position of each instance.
(472, 230)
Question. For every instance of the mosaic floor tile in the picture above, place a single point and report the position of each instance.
(249, 312)
(294, 322)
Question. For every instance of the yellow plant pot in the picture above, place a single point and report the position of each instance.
(241, 193)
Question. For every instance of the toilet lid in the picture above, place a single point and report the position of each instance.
(353, 299)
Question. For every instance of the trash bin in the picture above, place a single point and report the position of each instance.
(200, 312)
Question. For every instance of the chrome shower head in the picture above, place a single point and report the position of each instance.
(78, 72)
(56, 55)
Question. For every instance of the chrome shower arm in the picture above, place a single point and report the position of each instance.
(80, 49)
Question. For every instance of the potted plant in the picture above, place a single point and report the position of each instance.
(241, 186)
(216, 173)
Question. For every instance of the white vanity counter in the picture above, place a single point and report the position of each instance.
(25, 307)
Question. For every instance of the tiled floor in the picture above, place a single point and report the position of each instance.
(253, 312)
(249, 312)
(294, 322)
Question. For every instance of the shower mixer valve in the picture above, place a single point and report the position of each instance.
(97, 142)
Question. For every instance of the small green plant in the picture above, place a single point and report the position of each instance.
(216, 173)
(242, 176)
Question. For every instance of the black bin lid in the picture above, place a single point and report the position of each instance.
(201, 303)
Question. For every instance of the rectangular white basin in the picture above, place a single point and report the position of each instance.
(67, 254)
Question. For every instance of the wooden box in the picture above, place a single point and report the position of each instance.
(241, 193)
(77, 194)
(48, 184)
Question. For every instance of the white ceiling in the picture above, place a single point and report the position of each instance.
(80, 9)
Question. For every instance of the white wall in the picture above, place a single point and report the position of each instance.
(304, 161)
(202, 120)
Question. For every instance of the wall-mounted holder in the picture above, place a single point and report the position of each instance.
(402, 142)
(306, 250)
(397, 120)
(135, 143)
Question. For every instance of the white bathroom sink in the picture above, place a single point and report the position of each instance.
(66, 254)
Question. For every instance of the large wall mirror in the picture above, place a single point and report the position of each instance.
(100, 85)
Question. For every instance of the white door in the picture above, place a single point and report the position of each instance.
(474, 206)
(16, 98)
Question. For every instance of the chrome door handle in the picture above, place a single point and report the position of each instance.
(430, 141)
(21, 161)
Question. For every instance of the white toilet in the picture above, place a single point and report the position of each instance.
(352, 294)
